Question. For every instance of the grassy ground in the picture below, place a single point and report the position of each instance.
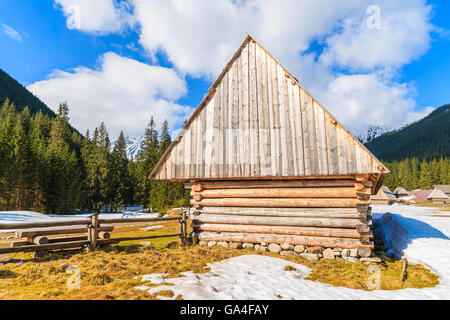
(111, 273)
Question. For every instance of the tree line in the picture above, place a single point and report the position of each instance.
(48, 167)
(412, 173)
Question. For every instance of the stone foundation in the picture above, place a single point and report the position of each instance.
(308, 253)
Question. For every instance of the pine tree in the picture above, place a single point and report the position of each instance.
(119, 189)
(426, 175)
(147, 160)
(22, 160)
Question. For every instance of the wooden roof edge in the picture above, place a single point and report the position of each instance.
(202, 104)
(378, 182)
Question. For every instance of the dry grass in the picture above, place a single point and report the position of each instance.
(355, 275)
(112, 273)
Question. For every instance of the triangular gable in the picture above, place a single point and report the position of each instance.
(383, 194)
(257, 121)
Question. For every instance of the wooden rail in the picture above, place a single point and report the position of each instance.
(95, 233)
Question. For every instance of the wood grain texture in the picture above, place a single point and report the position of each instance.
(257, 121)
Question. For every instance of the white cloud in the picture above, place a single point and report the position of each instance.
(123, 93)
(11, 32)
(199, 37)
(354, 99)
(403, 35)
(96, 16)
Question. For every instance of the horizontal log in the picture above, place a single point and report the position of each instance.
(197, 187)
(277, 193)
(278, 221)
(299, 231)
(364, 228)
(137, 220)
(27, 233)
(26, 225)
(363, 196)
(45, 247)
(104, 235)
(117, 240)
(363, 208)
(292, 239)
(278, 203)
(40, 240)
(273, 184)
(343, 213)
(20, 243)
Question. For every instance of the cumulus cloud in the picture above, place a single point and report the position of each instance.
(356, 98)
(11, 32)
(199, 36)
(123, 93)
(367, 38)
(362, 44)
(399, 33)
(96, 16)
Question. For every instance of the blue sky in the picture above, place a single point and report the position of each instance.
(36, 41)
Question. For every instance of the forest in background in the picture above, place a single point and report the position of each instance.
(48, 167)
(412, 173)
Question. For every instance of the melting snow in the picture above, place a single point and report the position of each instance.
(412, 232)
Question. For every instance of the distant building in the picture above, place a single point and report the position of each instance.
(438, 197)
(383, 196)
(445, 188)
(400, 192)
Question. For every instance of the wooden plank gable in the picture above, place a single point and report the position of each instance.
(257, 121)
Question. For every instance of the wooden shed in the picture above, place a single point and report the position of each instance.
(383, 196)
(445, 188)
(400, 192)
(438, 197)
(267, 163)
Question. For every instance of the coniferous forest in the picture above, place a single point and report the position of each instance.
(48, 167)
(412, 173)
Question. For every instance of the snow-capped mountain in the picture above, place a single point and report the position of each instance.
(133, 146)
(367, 132)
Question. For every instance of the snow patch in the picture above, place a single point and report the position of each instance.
(409, 231)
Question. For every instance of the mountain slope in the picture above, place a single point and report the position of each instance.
(367, 132)
(133, 146)
(20, 96)
(428, 139)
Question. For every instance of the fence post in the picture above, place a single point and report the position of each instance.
(183, 228)
(93, 232)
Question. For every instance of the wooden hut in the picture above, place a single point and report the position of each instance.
(383, 196)
(400, 192)
(445, 188)
(438, 197)
(267, 163)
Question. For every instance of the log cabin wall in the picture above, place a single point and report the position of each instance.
(327, 213)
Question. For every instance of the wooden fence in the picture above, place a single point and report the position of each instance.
(97, 233)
